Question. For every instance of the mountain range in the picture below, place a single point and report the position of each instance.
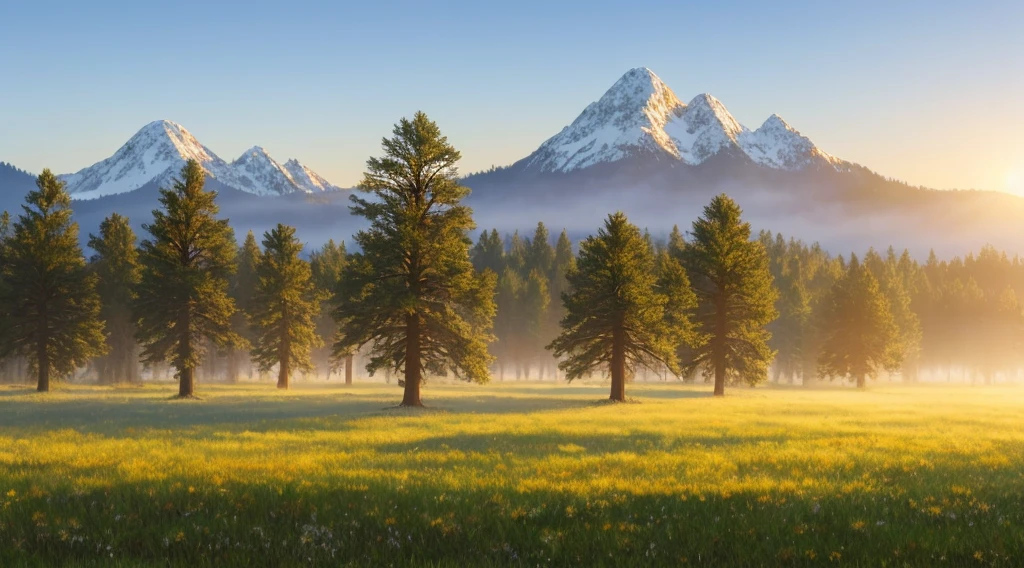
(157, 153)
(638, 148)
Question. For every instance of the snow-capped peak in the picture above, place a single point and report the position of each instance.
(629, 118)
(158, 151)
(778, 145)
(307, 180)
(259, 174)
(155, 153)
(640, 115)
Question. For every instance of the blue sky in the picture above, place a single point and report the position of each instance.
(928, 92)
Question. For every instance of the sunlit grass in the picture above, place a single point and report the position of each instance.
(513, 474)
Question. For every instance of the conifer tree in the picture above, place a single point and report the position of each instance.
(48, 296)
(183, 292)
(860, 335)
(412, 291)
(617, 316)
(735, 297)
(116, 266)
(540, 256)
(243, 286)
(326, 266)
(284, 307)
(489, 252)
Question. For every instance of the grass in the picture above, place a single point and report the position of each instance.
(512, 474)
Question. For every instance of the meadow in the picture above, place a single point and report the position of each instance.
(520, 474)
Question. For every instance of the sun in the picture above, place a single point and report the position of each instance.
(1015, 181)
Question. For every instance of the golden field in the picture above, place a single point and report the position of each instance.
(512, 474)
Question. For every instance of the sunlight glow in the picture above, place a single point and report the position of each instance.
(1015, 180)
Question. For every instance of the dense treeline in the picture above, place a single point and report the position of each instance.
(939, 321)
(420, 299)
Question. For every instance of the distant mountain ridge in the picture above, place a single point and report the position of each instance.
(641, 150)
(156, 153)
(641, 116)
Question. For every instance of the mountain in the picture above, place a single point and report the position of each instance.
(640, 149)
(640, 116)
(156, 154)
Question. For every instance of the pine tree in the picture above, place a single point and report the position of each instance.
(242, 285)
(508, 322)
(540, 256)
(116, 264)
(327, 265)
(412, 292)
(735, 297)
(285, 307)
(860, 335)
(534, 305)
(489, 252)
(616, 312)
(51, 308)
(183, 292)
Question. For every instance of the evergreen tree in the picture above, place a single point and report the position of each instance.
(540, 256)
(508, 322)
(327, 265)
(860, 335)
(615, 310)
(489, 252)
(183, 292)
(285, 307)
(243, 288)
(412, 292)
(735, 297)
(116, 265)
(51, 308)
(534, 305)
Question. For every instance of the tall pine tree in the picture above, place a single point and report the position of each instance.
(51, 308)
(242, 288)
(183, 293)
(284, 308)
(617, 315)
(412, 292)
(116, 265)
(735, 297)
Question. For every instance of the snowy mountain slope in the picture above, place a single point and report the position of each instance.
(156, 154)
(778, 145)
(640, 115)
(308, 180)
(629, 119)
(259, 174)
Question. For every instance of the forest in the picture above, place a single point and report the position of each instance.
(418, 299)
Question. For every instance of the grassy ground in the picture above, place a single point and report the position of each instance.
(512, 474)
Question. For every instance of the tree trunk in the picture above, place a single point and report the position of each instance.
(186, 378)
(233, 367)
(412, 361)
(618, 365)
(861, 383)
(348, 369)
(282, 373)
(43, 357)
(718, 347)
(186, 383)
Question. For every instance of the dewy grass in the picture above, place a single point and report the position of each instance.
(512, 474)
